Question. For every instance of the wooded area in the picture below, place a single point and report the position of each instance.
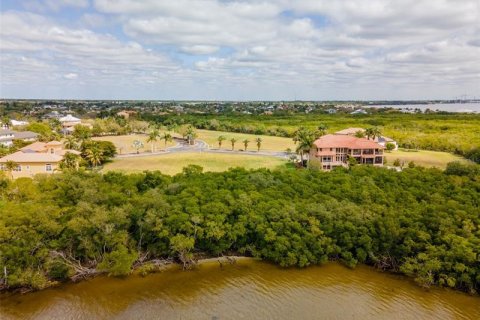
(420, 222)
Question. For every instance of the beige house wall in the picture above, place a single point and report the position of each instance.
(30, 169)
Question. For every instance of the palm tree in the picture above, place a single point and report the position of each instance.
(245, 143)
(137, 144)
(232, 141)
(167, 137)
(94, 155)
(372, 133)
(376, 132)
(305, 140)
(10, 166)
(153, 138)
(259, 143)
(191, 134)
(71, 143)
(220, 139)
(368, 133)
(322, 129)
(70, 161)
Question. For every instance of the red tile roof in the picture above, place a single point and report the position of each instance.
(344, 141)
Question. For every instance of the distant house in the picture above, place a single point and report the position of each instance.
(126, 113)
(334, 150)
(359, 111)
(25, 135)
(52, 115)
(16, 123)
(6, 137)
(331, 111)
(69, 122)
(38, 157)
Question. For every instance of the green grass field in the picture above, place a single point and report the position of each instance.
(124, 143)
(269, 143)
(423, 158)
(174, 163)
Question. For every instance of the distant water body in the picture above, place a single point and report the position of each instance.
(449, 107)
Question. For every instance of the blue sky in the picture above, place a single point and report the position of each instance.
(239, 50)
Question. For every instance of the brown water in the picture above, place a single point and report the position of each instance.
(247, 290)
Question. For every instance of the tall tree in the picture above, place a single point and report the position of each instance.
(232, 141)
(10, 166)
(94, 155)
(258, 140)
(245, 143)
(322, 129)
(70, 161)
(305, 139)
(220, 139)
(167, 137)
(153, 138)
(71, 143)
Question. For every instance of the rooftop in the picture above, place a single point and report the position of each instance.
(345, 141)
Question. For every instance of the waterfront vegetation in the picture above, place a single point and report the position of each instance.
(420, 222)
(173, 163)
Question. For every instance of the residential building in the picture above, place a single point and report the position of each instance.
(359, 111)
(17, 123)
(334, 150)
(38, 157)
(126, 113)
(6, 137)
(25, 135)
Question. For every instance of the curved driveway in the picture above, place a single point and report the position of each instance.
(202, 146)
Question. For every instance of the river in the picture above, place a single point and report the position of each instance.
(246, 290)
(449, 107)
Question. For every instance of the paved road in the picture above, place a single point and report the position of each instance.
(202, 146)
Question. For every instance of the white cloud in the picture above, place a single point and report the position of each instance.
(323, 49)
(70, 76)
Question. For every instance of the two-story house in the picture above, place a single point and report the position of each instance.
(332, 151)
(38, 157)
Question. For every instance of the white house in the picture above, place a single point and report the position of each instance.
(16, 123)
(6, 137)
(359, 111)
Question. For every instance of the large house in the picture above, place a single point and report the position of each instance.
(38, 157)
(334, 150)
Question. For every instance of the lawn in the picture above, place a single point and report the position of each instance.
(423, 158)
(269, 143)
(174, 162)
(124, 143)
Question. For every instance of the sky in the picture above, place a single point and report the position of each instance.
(240, 50)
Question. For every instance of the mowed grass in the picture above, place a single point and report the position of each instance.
(423, 158)
(173, 163)
(269, 143)
(124, 143)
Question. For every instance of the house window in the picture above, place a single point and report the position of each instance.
(18, 168)
(48, 167)
(52, 151)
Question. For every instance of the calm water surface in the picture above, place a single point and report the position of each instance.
(247, 290)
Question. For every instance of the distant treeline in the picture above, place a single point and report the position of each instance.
(419, 222)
